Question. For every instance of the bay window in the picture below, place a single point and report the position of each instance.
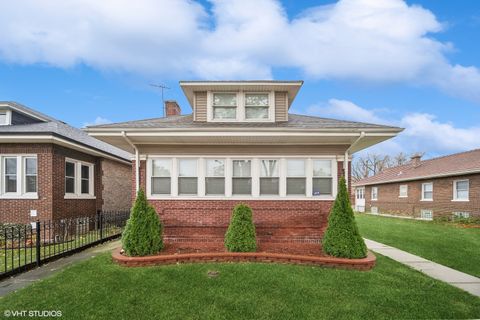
(322, 178)
(161, 176)
(224, 106)
(242, 177)
(187, 177)
(256, 106)
(78, 179)
(269, 177)
(296, 178)
(215, 177)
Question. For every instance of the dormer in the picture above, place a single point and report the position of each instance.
(12, 113)
(240, 101)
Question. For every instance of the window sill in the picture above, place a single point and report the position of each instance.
(403, 196)
(77, 196)
(374, 199)
(426, 200)
(461, 200)
(240, 197)
(19, 196)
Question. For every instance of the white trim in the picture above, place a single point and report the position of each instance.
(400, 191)
(20, 192)
(372, 193)
(455, 198)
(77, 194)
(423, 191)
(8, 117)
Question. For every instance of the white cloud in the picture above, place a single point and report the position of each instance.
(368, 40)
(423, 132)
(97, 121)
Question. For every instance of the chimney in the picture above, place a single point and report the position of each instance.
(415, 159)
(172, 108)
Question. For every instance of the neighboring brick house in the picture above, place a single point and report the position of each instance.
(445, 186)
(50, 170)
(241, 145)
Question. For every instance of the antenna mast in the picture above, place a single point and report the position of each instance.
(162, 87)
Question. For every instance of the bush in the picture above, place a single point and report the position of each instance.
(143, 232)
(240, 236)
(342, 238)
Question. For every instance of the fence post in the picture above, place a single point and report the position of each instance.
(37, 242)
(100, 223)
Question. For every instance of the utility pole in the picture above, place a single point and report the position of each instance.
(162, 87)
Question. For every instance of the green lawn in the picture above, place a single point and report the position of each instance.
(99, 289)
(447, 244)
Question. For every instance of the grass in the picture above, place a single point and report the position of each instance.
(445, 243)
(99, 289)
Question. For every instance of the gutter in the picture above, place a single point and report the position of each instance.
(137, 161)
(347, 154)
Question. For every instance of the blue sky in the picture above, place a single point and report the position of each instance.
(413, 64)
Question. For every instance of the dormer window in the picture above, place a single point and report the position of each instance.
(224, 106)
(256, 106)
(5, 117)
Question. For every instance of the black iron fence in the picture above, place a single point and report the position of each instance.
(23, 247)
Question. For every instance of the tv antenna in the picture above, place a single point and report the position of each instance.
(162, 87)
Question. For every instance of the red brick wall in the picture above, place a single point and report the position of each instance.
(442, 205)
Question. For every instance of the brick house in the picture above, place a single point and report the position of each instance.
(50, 170)
(241, 144)
(445, 186)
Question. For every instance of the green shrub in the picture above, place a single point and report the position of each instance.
(342, 238)
(240, 236)
(143, 233)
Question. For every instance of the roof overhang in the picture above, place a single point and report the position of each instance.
(239, 137)
(58, 140)
(23, 110)
(291, 87)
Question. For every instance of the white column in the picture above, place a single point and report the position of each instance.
(228, 177)
(201, 176)
(255, 177)
(309, 175)
(174, 177)
(283, 177)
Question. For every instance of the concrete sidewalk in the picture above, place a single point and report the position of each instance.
(24, 279)
(451, 276)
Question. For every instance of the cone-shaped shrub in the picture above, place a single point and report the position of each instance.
(240, 236)
(342, 238)
(143, 233)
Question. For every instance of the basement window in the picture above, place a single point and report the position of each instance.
(426, 214)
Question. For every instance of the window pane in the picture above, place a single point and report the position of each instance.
(242, 186)
(161, 167)
(428, 187)
(215, 168)
(296, 186)
(462, 185)
(256, 112)
(31, 184)
(11, 165)
(160, 185)
(269, 186)
(322, 186)
(187, 168)
(269, 168)
(242, 168)
(31, 166)
(260, 99)
(187, 185)
(85, 172)
(215, 186)
(70, 169)
(69, 185)
(85, 186)
(11, 183)
(224, 113)
(225, 99)
(295, 168)
(322, 168)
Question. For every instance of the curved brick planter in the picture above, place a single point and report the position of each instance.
(357, 264)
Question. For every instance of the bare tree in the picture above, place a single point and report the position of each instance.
(373, 163)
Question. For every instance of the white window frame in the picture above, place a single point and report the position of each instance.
(255, 175)
(21, 180)
(455, 195)
(360, 193)
(240, 111)
(178, 176)
(279, 164)
(461, 214)
(204, 178)
(374, 198)
(405, 194)
(423, 191)
(8, 117)
(424, 212)
(78, 180)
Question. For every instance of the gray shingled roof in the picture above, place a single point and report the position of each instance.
(56, 127)
(295, 121)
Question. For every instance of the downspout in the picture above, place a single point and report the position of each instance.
(137, 161)
(347, 154)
